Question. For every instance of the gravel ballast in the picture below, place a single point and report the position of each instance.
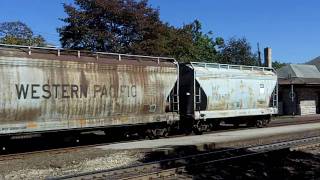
(48, 165)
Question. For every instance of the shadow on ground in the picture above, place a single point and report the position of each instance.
(68, 139)
(282, 164)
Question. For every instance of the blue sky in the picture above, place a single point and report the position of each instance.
(290, 27)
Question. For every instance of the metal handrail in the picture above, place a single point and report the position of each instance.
(119, 55)
(240, 67)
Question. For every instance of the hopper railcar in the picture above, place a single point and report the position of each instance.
(45, 90)
(49, 90)
(236, 94)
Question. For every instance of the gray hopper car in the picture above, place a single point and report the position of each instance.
(46, 90)
(211, 93)
(49, 90)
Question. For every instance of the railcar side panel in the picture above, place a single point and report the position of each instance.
(233, 92)
(51, 94)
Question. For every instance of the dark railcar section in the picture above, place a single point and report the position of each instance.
(186, 91)
(192, 96)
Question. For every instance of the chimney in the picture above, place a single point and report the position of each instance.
(268, 57)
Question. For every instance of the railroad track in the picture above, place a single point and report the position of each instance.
(175, 168)
(293, 122)
(81, 147)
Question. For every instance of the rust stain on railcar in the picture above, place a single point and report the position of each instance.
(84, 93)
(32, 124)
(12, 115)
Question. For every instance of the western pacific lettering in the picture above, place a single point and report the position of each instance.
(66, 91)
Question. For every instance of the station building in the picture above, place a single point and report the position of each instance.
(299, 89)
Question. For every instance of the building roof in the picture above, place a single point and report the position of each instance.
(299, 74)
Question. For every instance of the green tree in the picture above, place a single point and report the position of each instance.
(237, 51)
(189, 43)
(111, 25)
(202, 46)
(277, 64)
(19, 33)
(130, 26)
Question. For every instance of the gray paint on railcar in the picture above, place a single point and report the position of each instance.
(54, 93)
(231, 90)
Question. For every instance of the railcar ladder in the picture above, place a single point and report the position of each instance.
(175, 102)
(198, 98)
(175, 98)
(275, 97)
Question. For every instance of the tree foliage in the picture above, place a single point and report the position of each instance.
(129, 26)
(134, 27)
(278, 64)
(19, 33)
(238, 51)
(202, 47)
(110, 25)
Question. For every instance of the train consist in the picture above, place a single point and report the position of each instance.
(53, 90)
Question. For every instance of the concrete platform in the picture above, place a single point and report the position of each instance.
(224, 139)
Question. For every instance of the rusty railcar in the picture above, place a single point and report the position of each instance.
(211, 92)
(49, 89)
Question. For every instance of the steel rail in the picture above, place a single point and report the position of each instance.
(163, 167)
(20, 155)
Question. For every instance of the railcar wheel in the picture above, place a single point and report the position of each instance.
(149, 134)
(259, 123)
(156, 133)
(200, 127)
(265, 122)
(165, 132)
